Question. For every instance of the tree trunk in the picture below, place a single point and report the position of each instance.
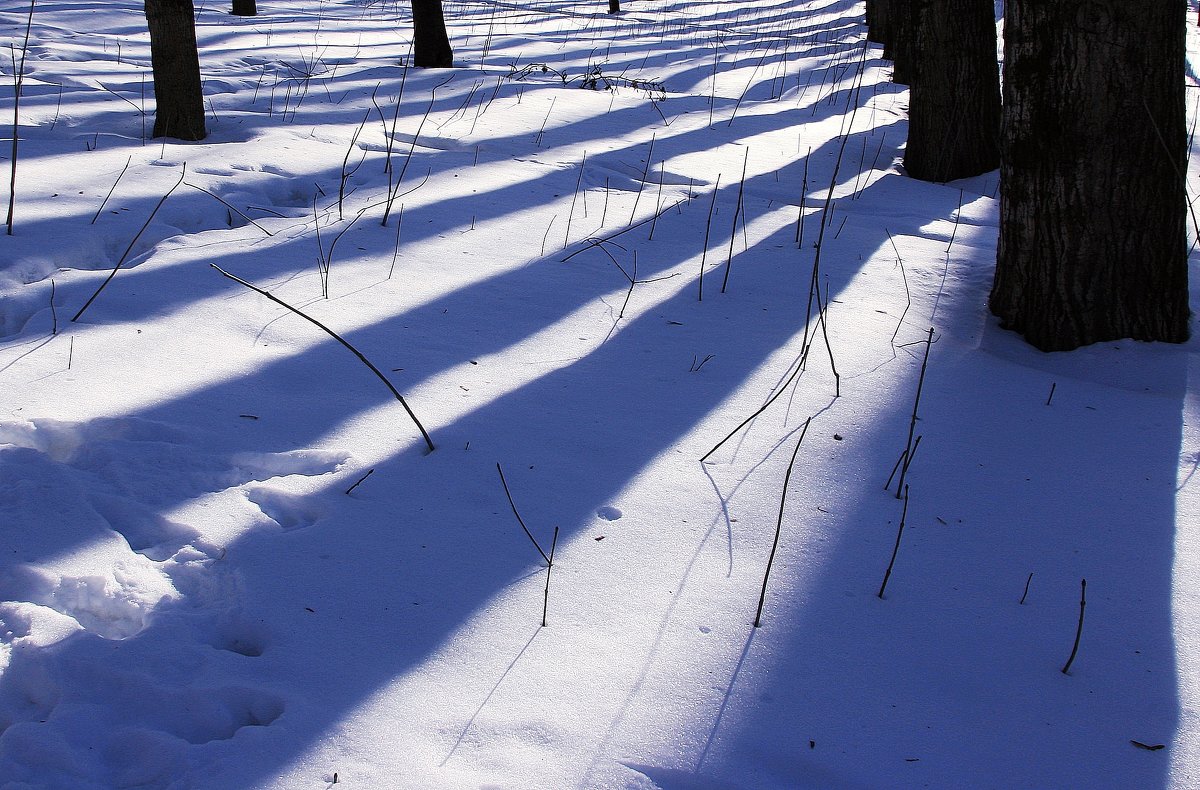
(245, 8)
(877, 21)
(1093, 239)
(902, 45)
(614, 6)
(179, 104)
(431, 45)
(954, 99)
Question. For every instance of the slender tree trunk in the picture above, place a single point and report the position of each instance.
(245, 8)
(431, 44)
(614, 6)
(179, 104)
(954, 99)
(1093, 240)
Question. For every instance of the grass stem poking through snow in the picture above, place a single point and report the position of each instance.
(912, 425)
(396, 246)
(129, 249)
(549, 558)
(358, 482)
(1053, 386)
(392, 190)
(112, 189)
(707, 230)
(215, 197)
(957, 218)
(762, 597)
(737, 212)
(347, 174)
(338, 338)
(574, 197)
(642, 181)
(18, 85)
(1026, 593)
(53, 310)
(899, 532)
(1079, 628)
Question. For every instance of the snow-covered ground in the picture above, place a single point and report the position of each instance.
(192, 597)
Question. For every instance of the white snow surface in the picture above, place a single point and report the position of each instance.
(192, 596)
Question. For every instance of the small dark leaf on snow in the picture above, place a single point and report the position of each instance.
(599, 537)
(837, 437)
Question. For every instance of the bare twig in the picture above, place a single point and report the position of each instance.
(129, 249)
(778, 525)
(338, 338)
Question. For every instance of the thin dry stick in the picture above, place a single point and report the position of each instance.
(1027, 581)
(642, 182)
(18, 84)
(907, 293)
(707, 229)
(215, 197)
(596, 242)
(110, 191)
(905, 457)
(129, 249)
(549, 567)
(412, 147)
(1079, 628)
(762, 597)
(396, 246)
(662, 169)
(888, 574)
(957, 218)
(520, 520)
(338, 338)
(578, 181)
(737, 212)
(912, 425)
(358, 482)
(346, 174)
(804, 191)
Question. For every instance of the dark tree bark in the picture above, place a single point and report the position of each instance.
(902, 45)
(877, 21)
(614, 6)
(245, 8)
(431, 44)
(179, 104)
(1093, 239)
(954, 98)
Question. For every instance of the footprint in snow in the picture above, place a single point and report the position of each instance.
(609, 513)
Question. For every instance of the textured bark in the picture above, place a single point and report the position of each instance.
(179, 104)
(245, 7)
(431, 44)
(902, 44)
(877, 21)
(1093, 242)
(954, 98)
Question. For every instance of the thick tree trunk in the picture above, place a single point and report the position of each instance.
(1093, 240)
(179, 104)
(245, 8)
(902, 46)
(954, 99)
(614, 6)
(431, 44)
(877, 21)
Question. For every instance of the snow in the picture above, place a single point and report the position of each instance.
(228, 561)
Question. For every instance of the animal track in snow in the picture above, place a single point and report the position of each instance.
(609, 513)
